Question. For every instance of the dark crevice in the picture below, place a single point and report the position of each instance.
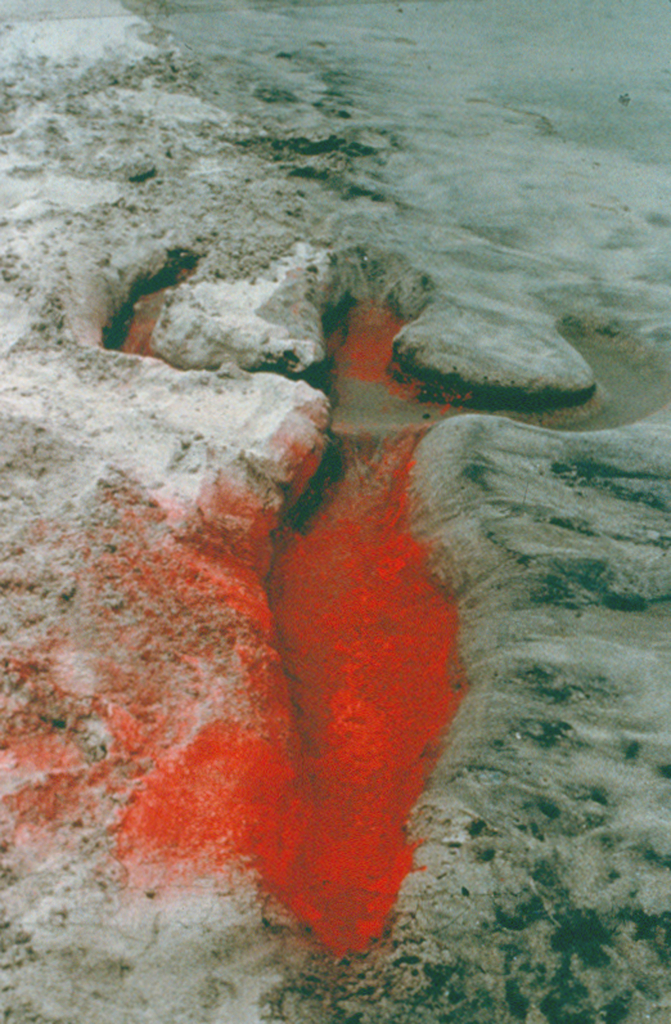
(330, 472)
(178, 265)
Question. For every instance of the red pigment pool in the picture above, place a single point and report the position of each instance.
(319, 801)
(284, 719)
(362, 351)
(368, 644)
(362, 346)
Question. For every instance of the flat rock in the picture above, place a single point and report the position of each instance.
(170, 431)
(493, 357)
(258, 325)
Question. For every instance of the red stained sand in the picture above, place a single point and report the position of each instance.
(157, 630)
(316, 793)
(368, 643)
(211, 801)
(363, 351)
(146, 312)
(364, 348)
(307, 767)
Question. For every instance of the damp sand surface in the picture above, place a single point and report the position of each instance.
(512, 152)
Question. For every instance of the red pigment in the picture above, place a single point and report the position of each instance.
(146, 312)
(307, 768)
(368, 643)
(156, 630)
(368, 648)
(362, 349)
(210, 802)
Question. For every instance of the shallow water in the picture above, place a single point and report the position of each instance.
(516, 151)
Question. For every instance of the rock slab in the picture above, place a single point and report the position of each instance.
(493, 358)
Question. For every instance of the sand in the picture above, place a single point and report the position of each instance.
(139, 504)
